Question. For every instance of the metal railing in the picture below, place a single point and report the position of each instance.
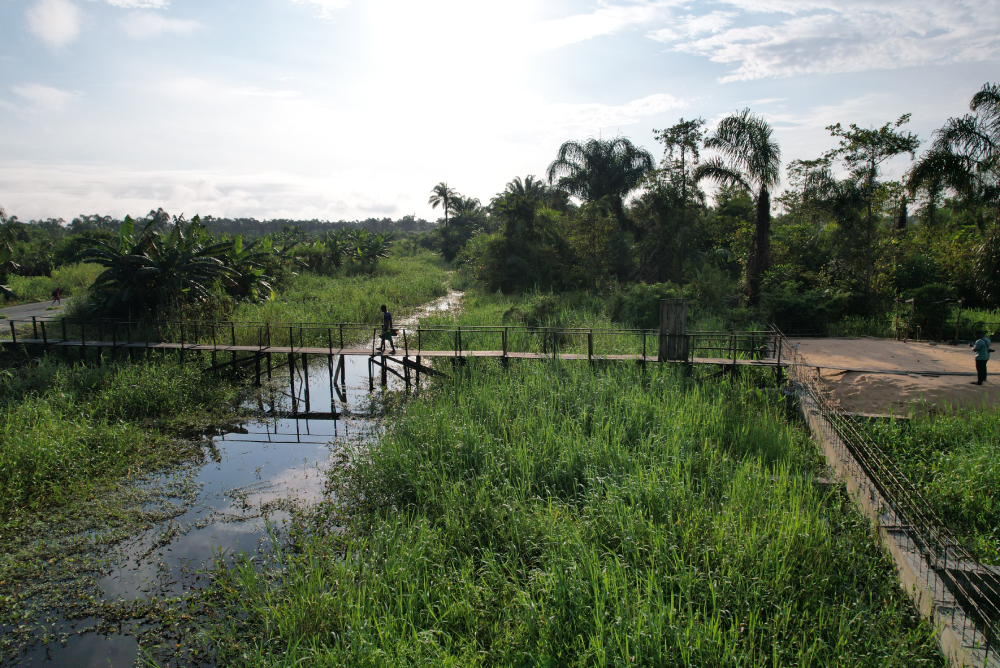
(957, 582)
(594, 342)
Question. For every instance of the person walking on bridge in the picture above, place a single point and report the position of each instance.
(387, 331)
(982, 350)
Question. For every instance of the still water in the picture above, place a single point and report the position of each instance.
(252, 472)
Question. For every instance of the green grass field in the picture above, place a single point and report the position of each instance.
(553, 515)
(955, 460)
(401, 282)
(71, 279)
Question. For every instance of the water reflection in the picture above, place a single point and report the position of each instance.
(252, 469)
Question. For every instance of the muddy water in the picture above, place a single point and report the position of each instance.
(252, 473)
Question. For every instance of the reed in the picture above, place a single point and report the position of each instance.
(551, 514)
(955, 460)
(64, 428)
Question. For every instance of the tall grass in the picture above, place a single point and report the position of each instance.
(955, 460)
(401, 282)
(62, 428)
(551, 515)
(70, 279)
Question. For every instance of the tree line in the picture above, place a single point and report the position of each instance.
(841, 239)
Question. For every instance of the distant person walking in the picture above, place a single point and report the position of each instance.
(56, 297)
(387, 331)
(982, 350)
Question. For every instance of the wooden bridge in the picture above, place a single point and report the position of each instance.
(256, 344)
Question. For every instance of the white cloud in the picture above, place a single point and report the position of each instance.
(780, 38)
(44, 98)
(138, 4)
(56, 22)
(141, 25)
(591, 117)
(326, 8)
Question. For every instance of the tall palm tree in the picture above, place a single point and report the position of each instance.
(600, 168)
(965, 156)
(443, 196)
(8, 238)
(751, 159)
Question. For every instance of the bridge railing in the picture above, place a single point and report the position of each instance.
(460, 339)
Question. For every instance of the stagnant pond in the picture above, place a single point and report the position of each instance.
(251, 474)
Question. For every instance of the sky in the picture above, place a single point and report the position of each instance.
(350, 109)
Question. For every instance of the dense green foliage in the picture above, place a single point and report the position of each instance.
(955, 461)
(65, 428)
(553, 515)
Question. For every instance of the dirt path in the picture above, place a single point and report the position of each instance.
(881, 376)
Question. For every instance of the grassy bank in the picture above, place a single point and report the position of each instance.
(552, 515)
(401, 282)
(955, 461)
(539, 310)
(71, 279)
(65, 428)
(78, 449)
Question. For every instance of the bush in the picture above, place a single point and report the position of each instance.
(932, 306)
(796, 311)
(638, 304)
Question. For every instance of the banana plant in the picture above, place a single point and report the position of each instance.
(146, 272)
(247, 278)
(367, 247)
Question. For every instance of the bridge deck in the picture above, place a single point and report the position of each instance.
(367, 352)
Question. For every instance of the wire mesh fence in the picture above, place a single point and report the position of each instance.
(962, 589)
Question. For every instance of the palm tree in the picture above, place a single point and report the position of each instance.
(8, 237)
(600, 168)
(965, 156)
(443, 196)
(751, 159)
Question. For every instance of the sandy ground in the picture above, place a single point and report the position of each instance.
(881, 377)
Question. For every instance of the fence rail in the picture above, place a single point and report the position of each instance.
(593, 342)
(969, 592)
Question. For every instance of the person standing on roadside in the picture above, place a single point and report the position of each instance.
(387, 331)
(982, 350)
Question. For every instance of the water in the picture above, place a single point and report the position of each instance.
(254, 472)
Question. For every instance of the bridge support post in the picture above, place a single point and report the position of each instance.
(291, 381)
(673, 330)
(305, 374)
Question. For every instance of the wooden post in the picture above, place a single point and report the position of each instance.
(958, 323)
(83, 340)
(291, 381)
(505, 342)
(590, 346)
(256, 369)
(329, 368)
(895, 320)
(182, 344)
(13, 332)
(45, 338)
(64, 329)
(34, 327)
(305, 374)
(215, 345)
(673, 329)
(232, 329)
(341, 336)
